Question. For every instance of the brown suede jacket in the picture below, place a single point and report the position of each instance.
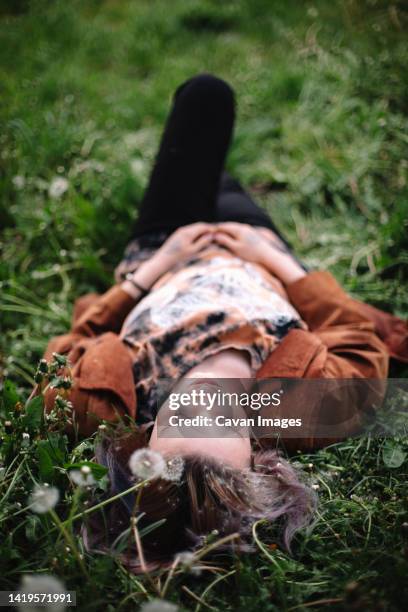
(346, 339)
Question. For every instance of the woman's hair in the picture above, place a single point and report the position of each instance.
(208, 497)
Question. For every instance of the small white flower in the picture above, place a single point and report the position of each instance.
(41, 583)
(43, 498)
(174, 469)
(58, 187)
(186, 558)
(312, 12)
(158, 605)
(147, 464)
(26, 440)
(19, 181)
(138, 168)
(82, 477)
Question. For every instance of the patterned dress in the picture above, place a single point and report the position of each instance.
(210, 303)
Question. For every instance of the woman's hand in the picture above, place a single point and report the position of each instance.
(185, 242)
(181, 244)
(248, 243)
(242, 240)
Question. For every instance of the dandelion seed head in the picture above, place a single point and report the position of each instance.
(186, 558)
(43, 498)
(19, 181)
(82, 479)
(41, 583)
(158, 605)
(174, 470)
(147, 464)
(58, 186)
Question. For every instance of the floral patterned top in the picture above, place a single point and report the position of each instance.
(210, 303)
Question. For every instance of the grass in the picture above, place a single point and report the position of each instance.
(321, 140)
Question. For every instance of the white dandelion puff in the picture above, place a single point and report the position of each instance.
(174, 469)
(188, 561)
(25, 440)
(186, 558)
(43, 498)
(147, 464)
(158, 605)
(138, 168)
(82, 477)
(19, 181)
(41, 583)
(58, 186)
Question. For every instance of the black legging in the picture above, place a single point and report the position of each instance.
(188, 183)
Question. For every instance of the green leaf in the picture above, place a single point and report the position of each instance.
(393, 454)
(9, 397)
(98, 471)
(34, 411)
(51, 453)
(58, 444)
(45, 461)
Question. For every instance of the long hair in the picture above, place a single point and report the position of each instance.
(209, 497)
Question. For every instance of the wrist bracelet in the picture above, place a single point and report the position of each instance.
(129, 277)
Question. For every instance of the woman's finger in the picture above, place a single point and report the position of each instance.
(202, 242)
(196, 229)
(230, 228)
(225, 240)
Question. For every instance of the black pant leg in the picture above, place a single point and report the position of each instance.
(185, 178)
(235, 204)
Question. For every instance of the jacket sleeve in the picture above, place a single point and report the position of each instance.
(101, 365)
(105, 313)
(340, 343)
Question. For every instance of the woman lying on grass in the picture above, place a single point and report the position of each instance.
(208, 288)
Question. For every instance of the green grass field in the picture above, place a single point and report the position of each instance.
(321, 140)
